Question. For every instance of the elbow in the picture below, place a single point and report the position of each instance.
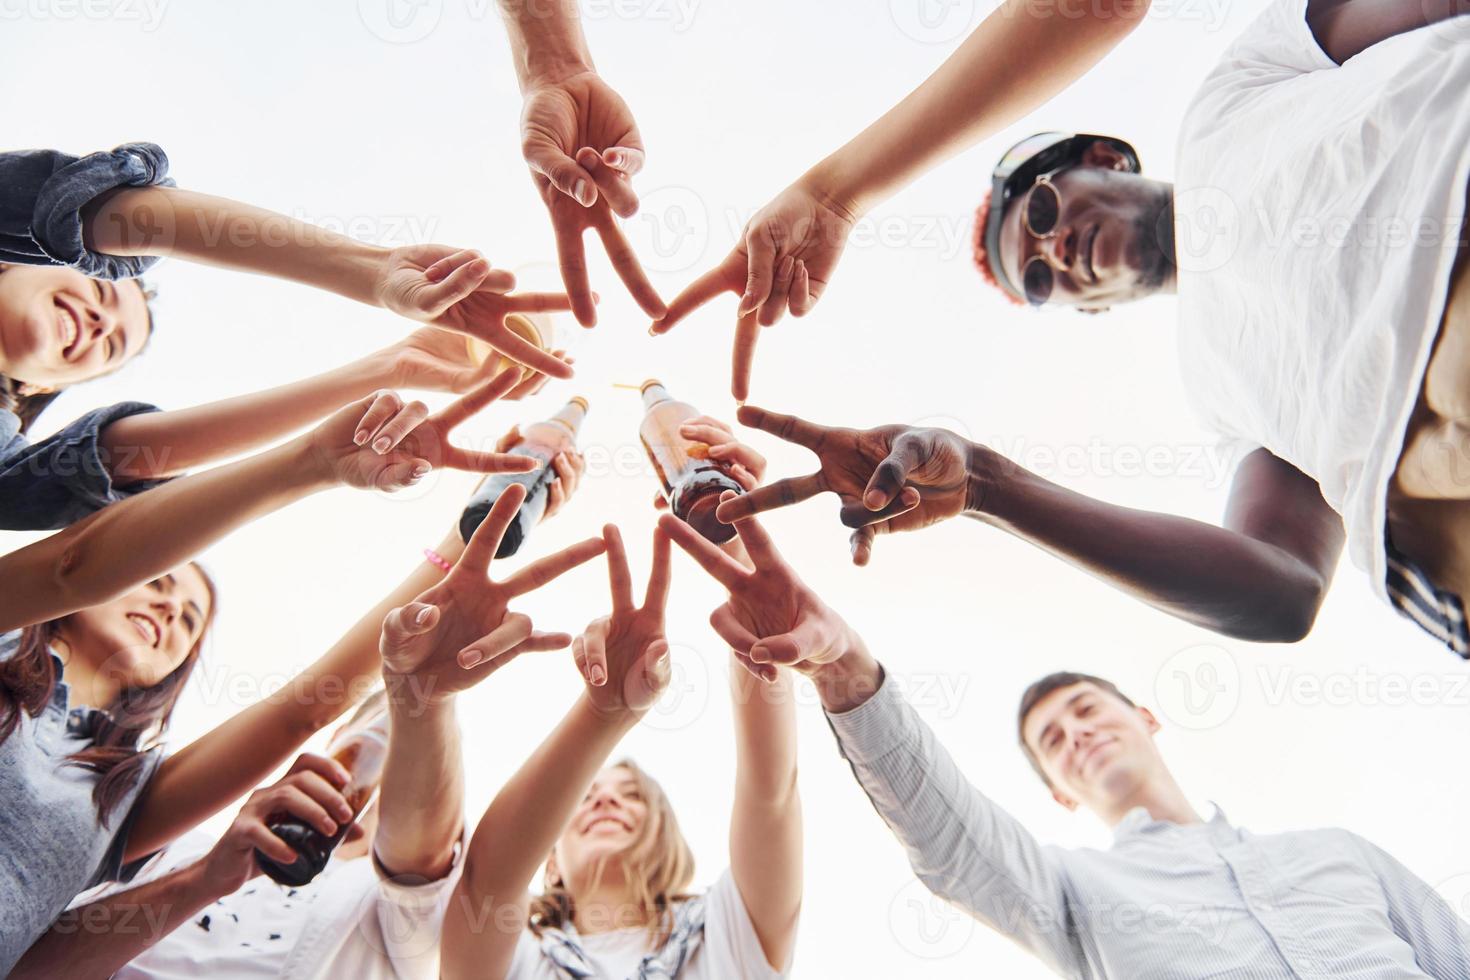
(1287, 616)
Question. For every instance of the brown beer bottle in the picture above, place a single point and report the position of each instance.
(542, 441)
(692, 481)
(362, 748)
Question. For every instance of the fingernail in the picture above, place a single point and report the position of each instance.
(381, 446)
(581, 193)
(344, 813)
(653, 331)
(360, 437)
(874, 499)
(419, 471)
(597, 676)
(423, 616)
(468, 658)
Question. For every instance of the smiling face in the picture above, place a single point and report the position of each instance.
(58, 327)
(141, 637)
(606, 824)
(1094, 749)
(1112, 239)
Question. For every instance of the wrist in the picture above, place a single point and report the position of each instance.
(850, 680)
(838, 188)
(306, 466)
(618, 721)
(412, 700)
(988, 475)
(199, 884)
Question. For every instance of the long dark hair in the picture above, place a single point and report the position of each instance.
(123, 733)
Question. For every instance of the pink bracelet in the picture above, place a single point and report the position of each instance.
(437, 559)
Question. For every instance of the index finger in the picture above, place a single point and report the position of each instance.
(758, 543)
(625, 263)
(788, 427)
(727, 277)
(618, 576)
(462, 408)
(522, 351)
(544, 570)
(485, 542)
(657, 596)
(724, 569)
(747, 332)
(572, 256)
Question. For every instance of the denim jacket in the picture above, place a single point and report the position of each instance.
(43, 192)
(61, 479)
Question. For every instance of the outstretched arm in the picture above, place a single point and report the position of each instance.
(1347, 27)
(1262, 576)
(199, 779)
(161, 444)
(582, 145)
(623, 659)
(139, 539)
(1019, 57)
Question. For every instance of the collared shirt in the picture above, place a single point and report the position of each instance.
(351, 921)
(52, 844)
(62, 478)
(43, 192)
(1166, 901)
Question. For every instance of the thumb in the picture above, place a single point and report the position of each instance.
(406, 622)
(888, 479)
(563, 172)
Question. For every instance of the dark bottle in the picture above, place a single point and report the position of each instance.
(692, 481)
(362, 748)
(542, 441)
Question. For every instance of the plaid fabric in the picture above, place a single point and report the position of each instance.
(1439, 613)
(564, 951)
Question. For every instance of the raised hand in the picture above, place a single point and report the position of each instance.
(785, 258)
(381, 442)
(422, 281)
(436, 359)
(582, 145)
(624, 658)
(311, 792)
(892, 478)
(462, 630)
(482, 314)
(772, 618)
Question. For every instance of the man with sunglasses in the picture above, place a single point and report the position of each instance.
(1324, 331)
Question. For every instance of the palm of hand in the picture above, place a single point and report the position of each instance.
(579, 111)
(631, 639)
(941, 476)
(438, 359)
(800, 225)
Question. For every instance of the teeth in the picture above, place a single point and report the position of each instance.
(69, 328)
(146, 625)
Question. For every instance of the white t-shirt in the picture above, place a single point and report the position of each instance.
(730, 949)
(1317, 211)
(348, 922)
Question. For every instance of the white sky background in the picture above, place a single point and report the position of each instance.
(304, 109)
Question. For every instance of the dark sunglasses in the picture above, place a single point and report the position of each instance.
(1041, 209)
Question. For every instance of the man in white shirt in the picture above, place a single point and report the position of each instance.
(1312, 238)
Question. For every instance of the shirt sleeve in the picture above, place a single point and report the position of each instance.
(963, 847)
(410, 914)
(43, 193)
(1420, 917)
(64, 477)
(730, 941)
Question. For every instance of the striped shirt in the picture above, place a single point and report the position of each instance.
(1166, 901)
(1439, 612)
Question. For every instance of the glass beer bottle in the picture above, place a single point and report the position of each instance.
(542, 441)
(692, 481)
(361, 747)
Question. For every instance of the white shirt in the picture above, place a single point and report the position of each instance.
(350, 921)
(730, 949)
(1166, 901)
(1318, 208)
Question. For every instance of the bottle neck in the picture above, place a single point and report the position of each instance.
(571, 416)
(653, 394)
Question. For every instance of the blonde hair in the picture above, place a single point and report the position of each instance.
(658, 865)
